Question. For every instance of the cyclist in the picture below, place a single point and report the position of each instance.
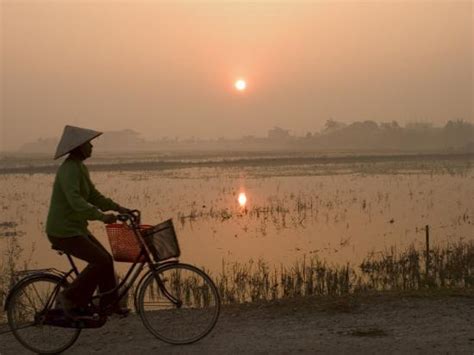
(74, 201)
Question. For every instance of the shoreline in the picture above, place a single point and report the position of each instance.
(128, 164)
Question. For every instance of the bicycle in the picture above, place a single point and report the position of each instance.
(178, 303)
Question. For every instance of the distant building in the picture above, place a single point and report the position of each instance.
(278, 133)
(123, 140)
(112, 141)
(41, 146)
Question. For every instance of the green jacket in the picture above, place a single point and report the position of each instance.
(75, 200)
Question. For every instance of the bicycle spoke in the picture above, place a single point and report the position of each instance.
(24, 305)
(29, 299)
(180, 304)
(22, 313)
(37, 294)
(51, 298)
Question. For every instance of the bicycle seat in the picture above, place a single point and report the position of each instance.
(59, 251)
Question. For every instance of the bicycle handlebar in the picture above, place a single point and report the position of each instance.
(133, 216)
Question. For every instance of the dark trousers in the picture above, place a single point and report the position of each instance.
(98, 273)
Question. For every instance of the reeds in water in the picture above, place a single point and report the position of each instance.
(451, 266)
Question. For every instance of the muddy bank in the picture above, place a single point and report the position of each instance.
(379, 323)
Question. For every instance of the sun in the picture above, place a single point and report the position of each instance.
(240, 84)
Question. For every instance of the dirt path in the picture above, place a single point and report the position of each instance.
(375, 324)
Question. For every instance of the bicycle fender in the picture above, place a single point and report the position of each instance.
(54, 275)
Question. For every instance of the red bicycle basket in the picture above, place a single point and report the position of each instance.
(124, 243)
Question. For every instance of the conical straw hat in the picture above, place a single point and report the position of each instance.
(72, 138)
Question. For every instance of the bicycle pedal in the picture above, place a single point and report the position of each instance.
(93, 317)
(84, 317)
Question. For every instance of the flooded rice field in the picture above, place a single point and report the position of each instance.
(279, 213)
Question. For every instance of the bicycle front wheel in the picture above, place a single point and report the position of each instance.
(179, 303)
(26, 310)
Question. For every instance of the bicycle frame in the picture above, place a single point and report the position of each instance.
(132, 274)
(149, 297)
(125, 284)
(135, 269)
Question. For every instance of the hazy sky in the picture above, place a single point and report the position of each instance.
(168, 68)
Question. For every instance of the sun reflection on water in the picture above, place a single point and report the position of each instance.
(242, 199)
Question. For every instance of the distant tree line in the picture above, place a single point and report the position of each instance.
(454, 136)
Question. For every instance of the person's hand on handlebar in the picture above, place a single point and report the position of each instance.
(109, 218)
(129, 215)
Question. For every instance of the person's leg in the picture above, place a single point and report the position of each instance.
(109, 282)
(108, 279)
(100, 268)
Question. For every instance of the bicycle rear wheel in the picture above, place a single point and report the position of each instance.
(179, 304)
(26, 313)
